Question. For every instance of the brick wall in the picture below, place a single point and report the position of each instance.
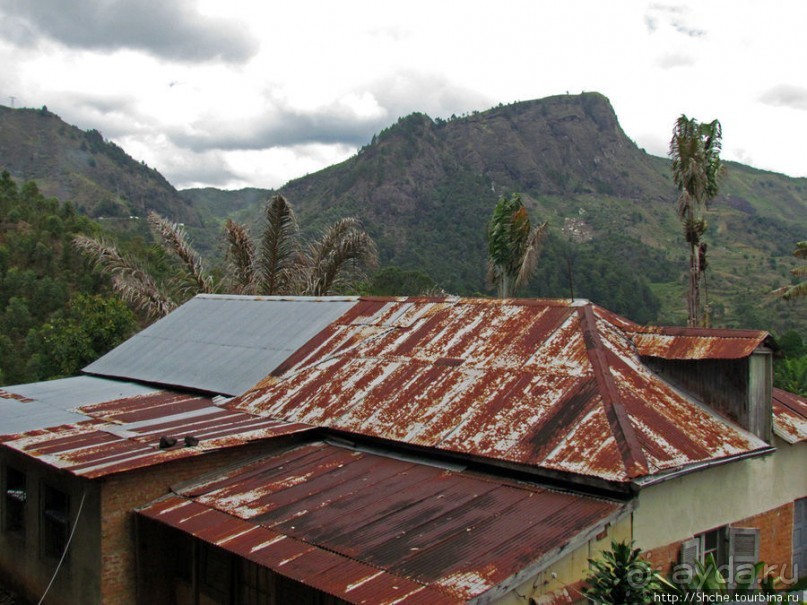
(775, 535)
(120, 495)
(775, 541)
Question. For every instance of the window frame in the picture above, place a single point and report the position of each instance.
(14, 505)
(55, 521)
(736, 549)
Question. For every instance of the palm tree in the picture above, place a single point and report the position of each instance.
(325, 263)
(136, 285)
(133, 283)
(284, 264)
(697, 170)
(622, 576)
(513, 246)
(281, 264)
(800, 289)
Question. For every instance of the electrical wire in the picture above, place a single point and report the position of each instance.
(66, 546)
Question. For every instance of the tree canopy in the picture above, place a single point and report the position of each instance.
(513, 245)
(56, 315)
(697, 170)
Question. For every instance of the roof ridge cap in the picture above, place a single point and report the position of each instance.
(629, 447)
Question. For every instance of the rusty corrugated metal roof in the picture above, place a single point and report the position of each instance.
(697, 343)
(789, 416)
(356, 524)
(124, 434)
(550, 384)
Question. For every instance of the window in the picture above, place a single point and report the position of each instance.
(713, 543)
(254, 584)
(215, 573)
(16, 494)
(55, 521)
(735, 550)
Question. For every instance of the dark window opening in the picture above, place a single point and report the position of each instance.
(216, 573)
(16, 494)
(226, 579)
(254, 584)
(55, 521)
(712, 543)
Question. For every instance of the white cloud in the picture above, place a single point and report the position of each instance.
(169, 29)
(786, 95)
(309, 82)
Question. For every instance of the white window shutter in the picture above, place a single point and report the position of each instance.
(690, 552)
(743, 550)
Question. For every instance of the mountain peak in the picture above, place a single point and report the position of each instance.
(81, 166)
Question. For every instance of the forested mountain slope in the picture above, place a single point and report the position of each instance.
(425, 189)
(81, 166)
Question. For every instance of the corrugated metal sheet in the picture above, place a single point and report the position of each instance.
(38, 405)
(549, 384)
(338, 519)
(789, 416)
(697, 343)
(220, 344)
(124, 434)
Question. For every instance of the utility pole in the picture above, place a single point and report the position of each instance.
(12, 99)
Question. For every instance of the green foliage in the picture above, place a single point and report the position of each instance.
(790, 369)
(611, 271)
(394, 281)
(54, 313)
(622, 577)
(791, 344)
(513, 245)
(707, 577)
(799, 288)
(790, 374)
(73, 337)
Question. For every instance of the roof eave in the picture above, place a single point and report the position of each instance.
(552, 556)
(656, 478)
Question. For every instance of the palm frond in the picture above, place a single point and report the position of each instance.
(696, 165)
(529, 258)
(798, 290)
(241, 258)
(176, 241)
(792, 292)
(133, 284)
(279, 247)
(326, 260)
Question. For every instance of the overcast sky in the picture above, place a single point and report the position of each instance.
(253, 93)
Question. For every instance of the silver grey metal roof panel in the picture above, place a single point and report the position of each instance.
(221, 343)
(38, 405)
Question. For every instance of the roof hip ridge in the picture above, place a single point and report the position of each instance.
(621, 426)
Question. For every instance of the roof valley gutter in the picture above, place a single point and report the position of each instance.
(178, 388)
(558, 480)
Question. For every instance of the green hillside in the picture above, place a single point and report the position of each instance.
(56, 315)
(425, 189)
(70, 164)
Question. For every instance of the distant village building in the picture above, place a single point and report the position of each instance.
(249, 450)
